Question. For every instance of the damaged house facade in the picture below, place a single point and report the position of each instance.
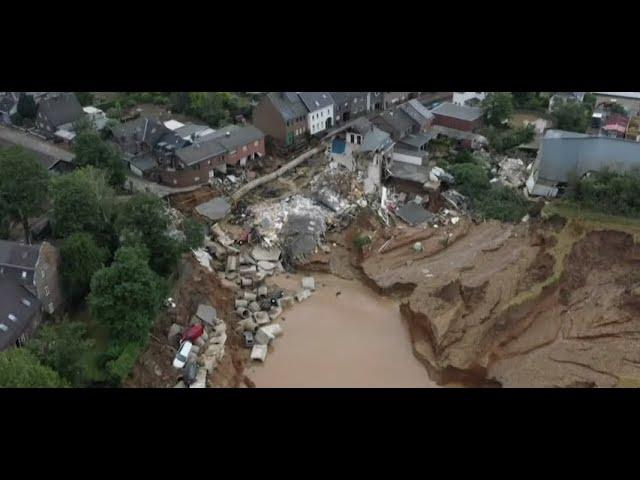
(363, 147)
(566, 155)
(186, 155)
(29, 286)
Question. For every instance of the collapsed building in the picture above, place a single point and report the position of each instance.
(565, 155)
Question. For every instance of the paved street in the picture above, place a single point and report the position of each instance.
(34, 144)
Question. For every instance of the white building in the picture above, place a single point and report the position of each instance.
(320, 106)
(461, 98)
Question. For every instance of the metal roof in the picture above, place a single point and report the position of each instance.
(417, 140)
(563, 153)
(61, 108)
(375, 139)
(18, 255)
(631, 95)
(458, 111)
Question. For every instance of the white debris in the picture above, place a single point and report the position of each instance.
(308, 283)
(264, 265)
(303, 295)
(274, 329)
(201, 379)
(259, 352)
(275, 312)
(266, 254)
(203, 258)
(264, 337)
(455, 220)
(261, 318)
(417, 247)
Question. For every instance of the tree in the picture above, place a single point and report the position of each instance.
(194, 233)
(571, 116)
(145, 214)
(590, 100)
(91, 149)
(83, 124)
(62, 348)
(83, 202)
(85, 98)
(24, 186)
(617, 108)
(19, 368)
(471, 179)
(498, 107)
(27, 107)
(120, 367)
(80, 258)
(126, 296)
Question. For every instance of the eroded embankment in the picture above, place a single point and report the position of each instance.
(538, 306)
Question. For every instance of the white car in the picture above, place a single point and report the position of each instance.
(182, 355)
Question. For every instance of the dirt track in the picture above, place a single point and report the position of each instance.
(486, 309)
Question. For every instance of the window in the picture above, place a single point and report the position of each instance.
(244, 148)
(197, 179)
(24, 275)
(256, 143)
(42, 273)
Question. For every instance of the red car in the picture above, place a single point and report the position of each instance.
(193, 333)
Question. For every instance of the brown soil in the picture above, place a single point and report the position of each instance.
(195, 285)
(474, 316)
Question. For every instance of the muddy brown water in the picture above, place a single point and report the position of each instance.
(352, 340)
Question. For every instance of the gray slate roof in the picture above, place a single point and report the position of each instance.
(18, 255)
(394, 121)
(375, 139)
(60, 109)
(12, 295)
(200, 151)
(288, 104)
(458, 111)
(563, 153)
(316, 100)
(417, 140)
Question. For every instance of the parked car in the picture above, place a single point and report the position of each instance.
(183, 354)
(248, 339)
(193, 333)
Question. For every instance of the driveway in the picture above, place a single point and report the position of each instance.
(35, 144)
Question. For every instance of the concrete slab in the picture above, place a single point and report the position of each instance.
(259, 352)
(207, 314)
(308, 283)
(261, 318)
(264, 337)
(215, 209)
(266, 254)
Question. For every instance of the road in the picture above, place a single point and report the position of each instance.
(35, 144)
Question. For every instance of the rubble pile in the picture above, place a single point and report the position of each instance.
(512, 172)
(257, 307)
(208, 349)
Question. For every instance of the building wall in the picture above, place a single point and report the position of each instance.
(268, 119)
(317, 120)
(458, 124)
(47, 278)
(394, 98)
(198, 174)
(632, 105)
(247, 152)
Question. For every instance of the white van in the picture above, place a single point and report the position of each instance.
(182, 355)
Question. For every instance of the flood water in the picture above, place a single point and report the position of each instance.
(355, 339)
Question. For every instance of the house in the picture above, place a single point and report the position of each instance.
(144, 134)
(421, 117)
(282, 116)
(565, 155)
(458, 117)
(616, 126)
(375, 101)
(469, 99)
(395, 122)
(350, 105)
(363, 147)
(320, 107)
(29, 285)
(58, 112)
(197, 162)
(463, 138)
(390, 99)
